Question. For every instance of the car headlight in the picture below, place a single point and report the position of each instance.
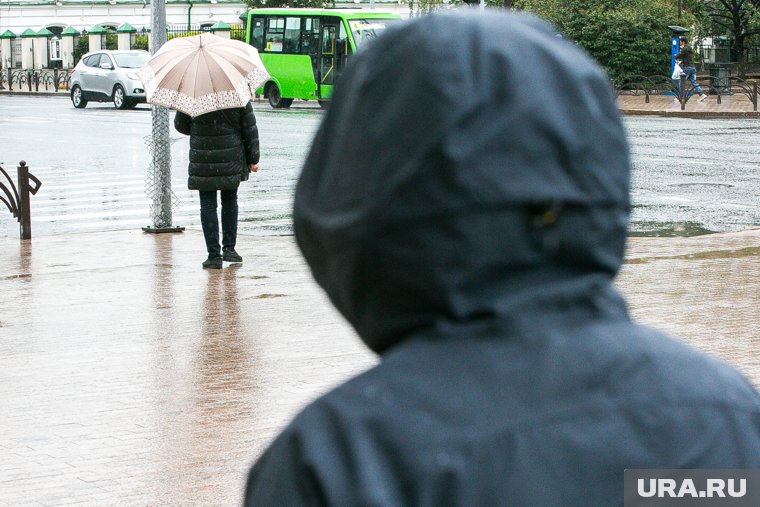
(132, 75)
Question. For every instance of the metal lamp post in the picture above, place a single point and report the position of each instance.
(159, 174)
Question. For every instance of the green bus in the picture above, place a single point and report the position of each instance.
(305, 50)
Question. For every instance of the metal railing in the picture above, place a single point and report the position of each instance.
(31, 79)
(683, 90)
(17, 199)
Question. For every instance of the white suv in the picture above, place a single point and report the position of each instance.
(105, 76)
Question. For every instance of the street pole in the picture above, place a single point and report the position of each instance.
(159, 177)
(679, 9)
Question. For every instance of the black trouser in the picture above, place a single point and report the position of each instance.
(210, 221)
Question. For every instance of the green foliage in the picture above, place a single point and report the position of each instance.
(112, 41)
(141, 42)
(237, 33)
(81, 47)
(627, 38)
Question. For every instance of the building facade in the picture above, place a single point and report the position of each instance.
(37, 34)
(41, 33)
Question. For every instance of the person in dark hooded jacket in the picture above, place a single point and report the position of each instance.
(224, 149)
(464, 205)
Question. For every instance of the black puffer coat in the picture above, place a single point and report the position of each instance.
(222, 144)
(464, 205)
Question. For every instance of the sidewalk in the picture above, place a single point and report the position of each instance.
(731, 106)
(130, 376)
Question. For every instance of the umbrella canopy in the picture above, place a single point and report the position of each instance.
(202, 73)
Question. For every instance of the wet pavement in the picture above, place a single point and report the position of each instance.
(130, 376)
(94, 165)
(691, 175)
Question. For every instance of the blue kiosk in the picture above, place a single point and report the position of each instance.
(674, 48)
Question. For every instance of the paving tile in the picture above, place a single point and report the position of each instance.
(130, 376)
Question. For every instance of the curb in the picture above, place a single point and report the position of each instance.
(623, 111)
(62, 93)
(693, 114)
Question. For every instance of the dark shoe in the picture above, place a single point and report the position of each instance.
(213, 263)
(230, 255)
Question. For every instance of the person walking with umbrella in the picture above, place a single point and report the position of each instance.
(210, 80)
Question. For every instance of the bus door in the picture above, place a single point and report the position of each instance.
(333, 51)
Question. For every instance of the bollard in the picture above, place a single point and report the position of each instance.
(25, 208)
(682, 91)
(17, 198)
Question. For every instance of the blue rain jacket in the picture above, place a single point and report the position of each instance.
(464, 205)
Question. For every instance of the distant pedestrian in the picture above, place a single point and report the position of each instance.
(224, 149)
(686, 58)
(464, 205)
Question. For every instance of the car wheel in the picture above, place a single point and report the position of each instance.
(119, 100)
(276, 100)
(77, 97)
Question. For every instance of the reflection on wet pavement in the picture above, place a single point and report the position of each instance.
(705, 290)
(131, 376)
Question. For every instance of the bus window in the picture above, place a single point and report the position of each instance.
(310, 36)
(257, 33)
(367, 29)
(274, 35)
(292, 35)
(342, 48)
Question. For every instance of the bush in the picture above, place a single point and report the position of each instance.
(81, 47)
(141, 42)
(626, 38)
(112, 41)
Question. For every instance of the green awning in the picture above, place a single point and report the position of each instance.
(220, 26)
(126, 28)
(97, 30)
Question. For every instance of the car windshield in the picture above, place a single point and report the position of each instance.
(131, 60)
(366, 29)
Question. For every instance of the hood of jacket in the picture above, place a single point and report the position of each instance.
(470, 168)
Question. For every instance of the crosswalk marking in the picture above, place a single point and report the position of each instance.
(82, 201)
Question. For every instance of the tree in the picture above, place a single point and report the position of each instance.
(740, 19)
(627, 38)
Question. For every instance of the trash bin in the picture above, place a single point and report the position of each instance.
(720, 72)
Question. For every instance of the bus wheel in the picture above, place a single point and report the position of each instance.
(276, 100)
(323, 103)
